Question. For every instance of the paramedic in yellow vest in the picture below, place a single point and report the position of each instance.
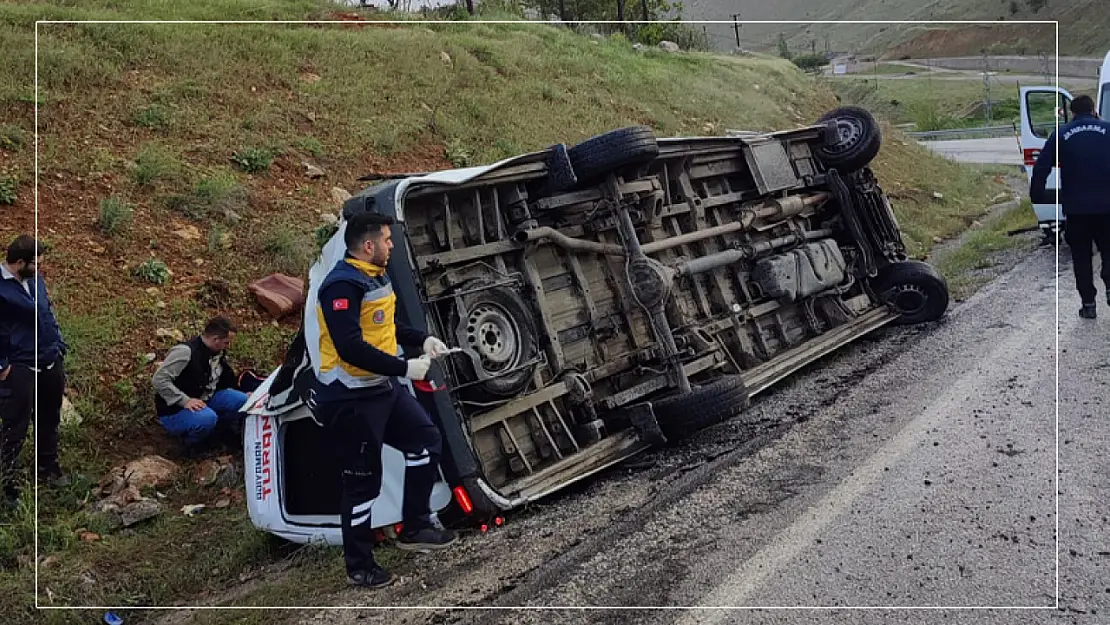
(361, 403)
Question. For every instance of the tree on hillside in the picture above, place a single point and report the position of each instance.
(686, 36)
(810, 62)
(597, 10)
(784, 47)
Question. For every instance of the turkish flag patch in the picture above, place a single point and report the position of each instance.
(340, 304)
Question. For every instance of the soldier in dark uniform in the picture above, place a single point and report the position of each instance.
(1084, 162)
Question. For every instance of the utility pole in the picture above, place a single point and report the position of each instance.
(987, 88)
(736, 27)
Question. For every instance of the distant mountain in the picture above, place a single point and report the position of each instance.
(1084, 26)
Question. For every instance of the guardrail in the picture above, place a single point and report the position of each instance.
(1008, 130)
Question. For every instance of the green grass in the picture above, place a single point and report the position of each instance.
(311, 145)
(115, 215)
(261, 348)
(892, 68)
(253, 160)
(490, 90)
(152, 271)
(12, 137)
(154, 162)
(219, 239)
(932, 103)
(289, 249)
(154, 116)
(216, 196)
(9, 190)
(89, 337)
(904, 101)
(910, 175)
(977, 251)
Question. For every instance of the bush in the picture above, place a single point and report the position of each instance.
(152, 163)
(153, 271)
(12, 137)
(289, 250)
(810, 62)
(219, 239)
(456, 152)
(154, 116)
(253, 160)
(687, 37)
(8, 194)
(215, 195)
(311, 145)
(324, 234)
(115, 215)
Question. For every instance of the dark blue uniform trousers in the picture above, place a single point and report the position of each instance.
(357, 429)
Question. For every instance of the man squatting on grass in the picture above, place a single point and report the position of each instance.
(194, 388)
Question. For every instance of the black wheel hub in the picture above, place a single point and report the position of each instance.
(849, 132)
(909, 299)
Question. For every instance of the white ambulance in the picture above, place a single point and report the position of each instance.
(1042, 108)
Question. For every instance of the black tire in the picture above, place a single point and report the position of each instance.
(856, 142)
(914, 290)
(685, 413)
(560, 171)
(500, 327)
(595, 157)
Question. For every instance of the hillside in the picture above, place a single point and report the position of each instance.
(1084, 26)
(172, 173)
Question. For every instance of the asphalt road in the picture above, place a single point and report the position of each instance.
(999, 151)
(914, 469)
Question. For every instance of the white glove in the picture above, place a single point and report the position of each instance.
(417, 368)
(434, 348)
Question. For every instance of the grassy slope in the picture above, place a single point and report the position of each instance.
(152, 115)
(1084, 24)
(933, 102)
(975, 261)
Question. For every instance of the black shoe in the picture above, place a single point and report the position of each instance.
(426, 539)
(11, 495)
(375, 578)
(1088, 311)
(53, 475)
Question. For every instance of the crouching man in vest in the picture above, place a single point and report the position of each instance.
(359, 401)
(194, 388)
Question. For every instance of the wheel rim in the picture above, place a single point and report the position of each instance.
(495, 336)
(849, 132)
(909, 299)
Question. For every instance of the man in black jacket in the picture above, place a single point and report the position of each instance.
(25, 360)
(194, 388)
(1084, 162)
